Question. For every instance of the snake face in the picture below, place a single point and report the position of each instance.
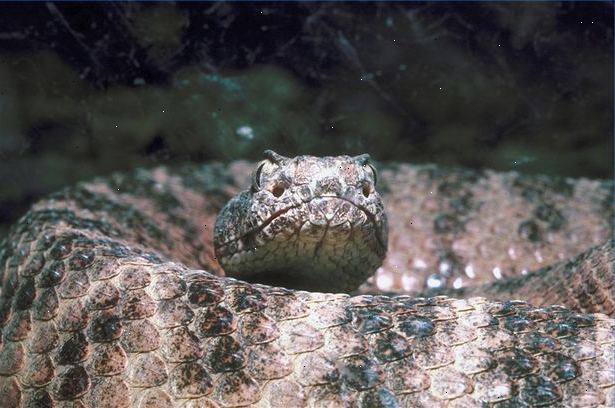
(314, 223)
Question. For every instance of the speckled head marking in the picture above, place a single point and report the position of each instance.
(307, 222)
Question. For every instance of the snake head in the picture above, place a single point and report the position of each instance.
(306, 222)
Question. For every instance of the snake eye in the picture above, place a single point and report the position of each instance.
(367, 189)
(273, 160)
(277, 190)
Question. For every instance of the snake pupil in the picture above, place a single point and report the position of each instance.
(367, 190)
(277, 191)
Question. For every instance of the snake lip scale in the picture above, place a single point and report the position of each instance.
(107, 299)
(284, 211)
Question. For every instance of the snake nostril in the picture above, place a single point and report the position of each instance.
(277, 191)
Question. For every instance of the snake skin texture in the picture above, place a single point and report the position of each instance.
(105, 301)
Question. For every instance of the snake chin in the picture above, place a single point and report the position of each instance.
(285, 278)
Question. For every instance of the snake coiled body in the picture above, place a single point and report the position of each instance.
(112, 296)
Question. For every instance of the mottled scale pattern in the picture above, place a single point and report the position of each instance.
(585, 284)
(452, 228)
(105, 303)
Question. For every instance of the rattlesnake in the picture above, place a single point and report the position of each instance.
(104, 303)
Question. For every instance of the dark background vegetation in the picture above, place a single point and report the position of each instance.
(88, 89)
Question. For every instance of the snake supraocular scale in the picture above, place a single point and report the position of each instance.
(104, 303)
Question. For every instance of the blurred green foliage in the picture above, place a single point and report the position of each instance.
(521, 86)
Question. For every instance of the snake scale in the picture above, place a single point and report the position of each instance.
(105, 299)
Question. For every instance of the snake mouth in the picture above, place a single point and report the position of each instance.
(324, 212)
(319, 244)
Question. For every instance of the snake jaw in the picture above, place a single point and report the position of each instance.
(324, 238)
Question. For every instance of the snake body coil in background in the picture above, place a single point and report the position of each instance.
(105, 303)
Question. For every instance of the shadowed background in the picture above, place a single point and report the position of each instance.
(88, 89)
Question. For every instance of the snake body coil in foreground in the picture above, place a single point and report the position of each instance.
(104, 302)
